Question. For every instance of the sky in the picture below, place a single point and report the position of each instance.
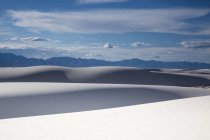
(162, 30)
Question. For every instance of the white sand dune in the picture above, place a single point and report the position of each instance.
(31, 99)
(101, 103)
(204, 73)
(184, 119)
(112, 75)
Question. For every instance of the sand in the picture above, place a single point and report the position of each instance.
(112, 75)
(48, 102)
(183, 119)
(32, 99)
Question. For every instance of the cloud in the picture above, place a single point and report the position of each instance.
(156, 57)
(94, 54)
(16, 45)
(113, 21)
(57, 41)
(139, 44)
(196, 44)
(170, 52)
(108, 45)
(15, 38)
(34, 39)
(99, 1)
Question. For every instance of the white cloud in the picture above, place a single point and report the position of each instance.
(108, 45)
(99, 1)
(11, 46)
(57, 41)
(34, 39)
(196, 44)
(139, 44)
(112, 21)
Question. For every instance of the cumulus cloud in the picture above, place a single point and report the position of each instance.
(139, 44)
(108, 45)
(113, 21)
(99, 1)
(196, 44)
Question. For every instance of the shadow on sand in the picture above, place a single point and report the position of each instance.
(44, 104)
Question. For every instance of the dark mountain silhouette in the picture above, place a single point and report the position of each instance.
(12, 60)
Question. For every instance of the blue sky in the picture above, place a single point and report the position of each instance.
(164, 30)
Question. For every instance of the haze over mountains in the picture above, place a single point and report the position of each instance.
(12, 60)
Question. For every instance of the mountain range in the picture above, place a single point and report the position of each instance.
(12, 60)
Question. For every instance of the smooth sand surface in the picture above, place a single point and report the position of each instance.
(32, 99)
(112, 75)
(184, 119)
